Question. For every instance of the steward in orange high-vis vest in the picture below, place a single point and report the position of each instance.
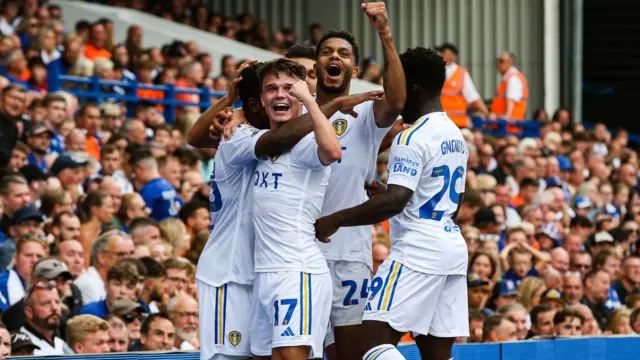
(452, 99)
(459, 94)
(512, 88)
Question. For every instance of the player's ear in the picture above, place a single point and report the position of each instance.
(261, 99)
(356, 71)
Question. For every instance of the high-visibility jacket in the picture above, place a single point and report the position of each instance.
(499, 104)
(452, 99)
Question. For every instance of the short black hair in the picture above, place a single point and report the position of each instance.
(249, 87)
(190, 208)
(426, 67)
(146, 323)
(154, 268)
(582, 221)
(537, 311)
(142, 221)
(82, 25)
(301, 51)
(528, 182)
(341, 34)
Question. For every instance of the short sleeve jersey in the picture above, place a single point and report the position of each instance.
(288, 192)
(228, 254)
(430, 158)
(360, 139)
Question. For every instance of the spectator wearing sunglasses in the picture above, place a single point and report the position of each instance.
(133, 314)
(122, 281)
(42, 319)
(13, 281)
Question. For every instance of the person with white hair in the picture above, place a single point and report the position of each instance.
(183, 312)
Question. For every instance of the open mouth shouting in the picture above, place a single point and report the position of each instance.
(334, 71)
(281, 108)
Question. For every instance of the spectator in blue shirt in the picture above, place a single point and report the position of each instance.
(122, 280)
(158, 194)
(56, 107)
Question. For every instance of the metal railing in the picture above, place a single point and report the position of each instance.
(93, 89)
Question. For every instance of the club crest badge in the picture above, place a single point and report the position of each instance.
(235, 338)
(340, 126)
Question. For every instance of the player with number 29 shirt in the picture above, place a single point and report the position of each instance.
(425, 271)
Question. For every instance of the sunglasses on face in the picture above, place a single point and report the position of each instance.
(129, 318)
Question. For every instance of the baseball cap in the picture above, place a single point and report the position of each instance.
(39, 129)
(50, 269)
(582, 202)
(32, 172)
(448, 46)
(474, 280)
(507, 288)
(125, 306)
(601, 237)
(554, 295)
(550, 230)
(21, 342)
(69, 160)
(565, 163)
(23, 214)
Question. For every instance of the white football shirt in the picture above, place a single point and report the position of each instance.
(288, 191)
(360, 139)
(228, 254)
(429, 158)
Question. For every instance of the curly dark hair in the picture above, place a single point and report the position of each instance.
(301, 52)
(249, 87)
(341, 34)
(426, 69)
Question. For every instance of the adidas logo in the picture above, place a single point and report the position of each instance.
(288, 332)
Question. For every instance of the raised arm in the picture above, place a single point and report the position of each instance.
(198, 135)
(329, 149)
(387, 109)
(288, 135)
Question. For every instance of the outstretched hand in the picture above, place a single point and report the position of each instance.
(325, 227)
(348, 102)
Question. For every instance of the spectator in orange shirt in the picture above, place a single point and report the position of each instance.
(528, 190)
(191, 75)
(91, 121)
(96, 46)
(144, 78)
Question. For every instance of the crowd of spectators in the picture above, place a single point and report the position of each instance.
(103, 216)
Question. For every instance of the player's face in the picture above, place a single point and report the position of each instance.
(311, 79)
(279, 104)
(335, 66)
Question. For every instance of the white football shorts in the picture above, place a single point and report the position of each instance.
(290, 309)
(421, 303)
(225, 319)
